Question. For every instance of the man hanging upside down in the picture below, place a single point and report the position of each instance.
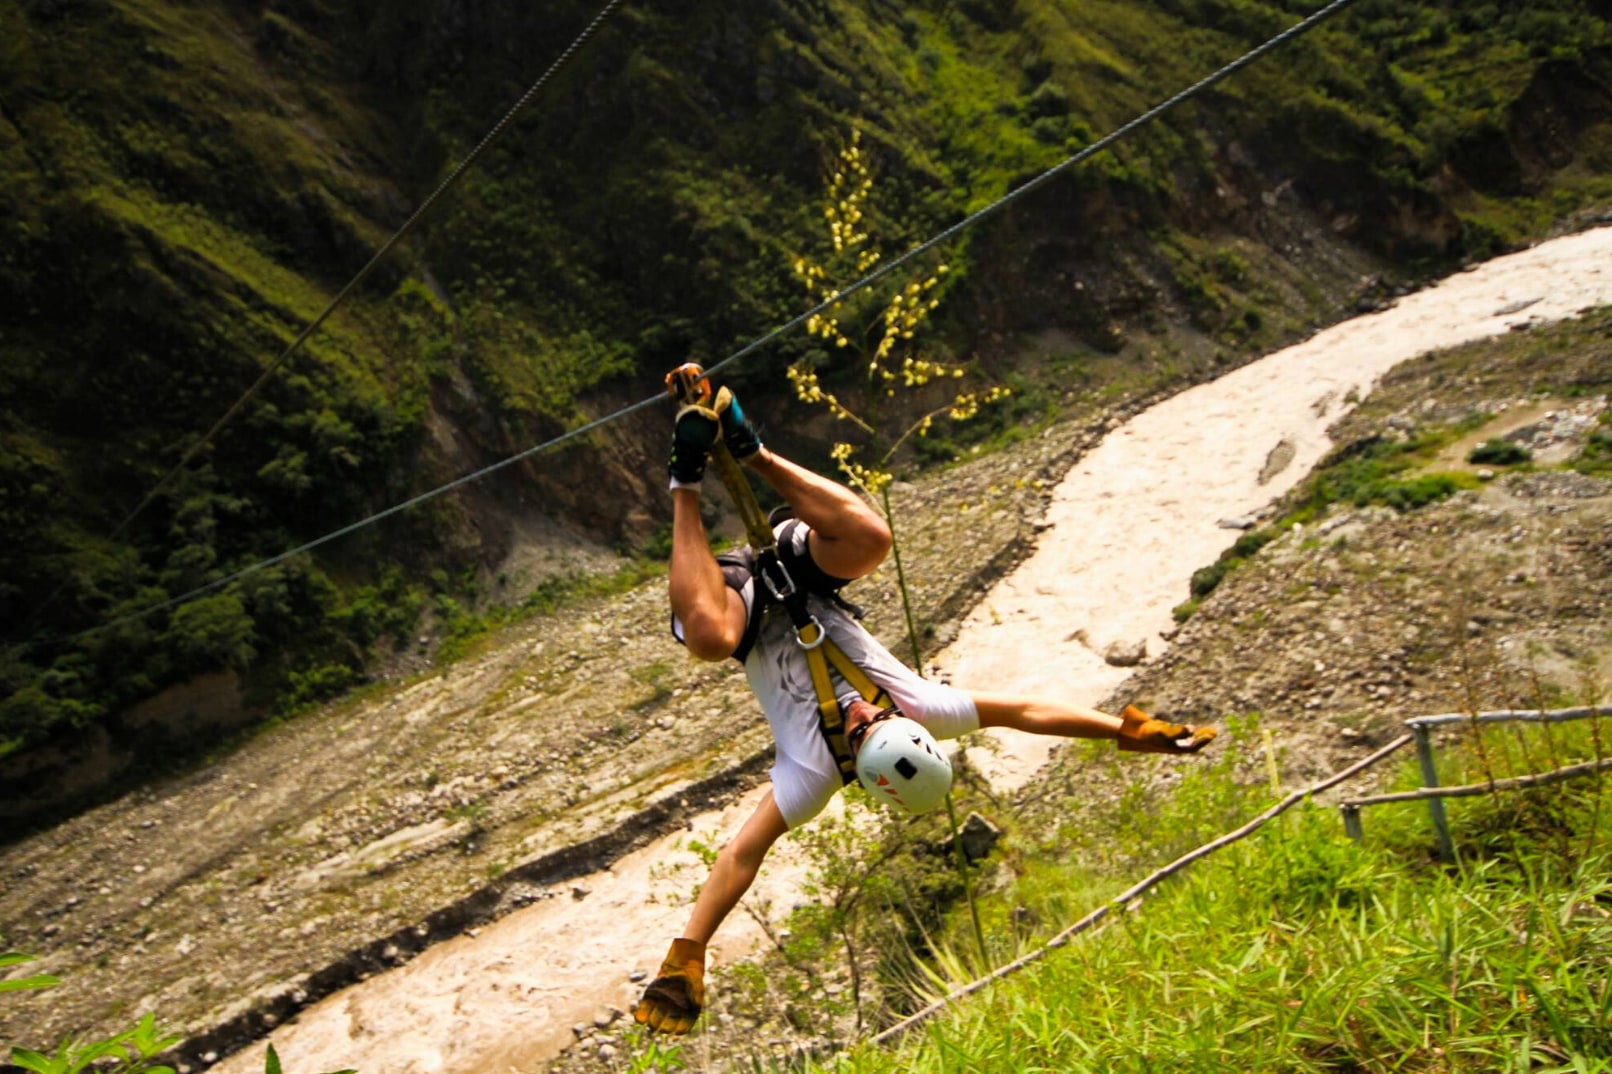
(721, 610)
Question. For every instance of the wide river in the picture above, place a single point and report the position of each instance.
(1128, 526)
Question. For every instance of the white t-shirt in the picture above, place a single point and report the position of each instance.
(804, 776)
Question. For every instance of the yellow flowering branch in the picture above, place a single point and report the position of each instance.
(893, 360)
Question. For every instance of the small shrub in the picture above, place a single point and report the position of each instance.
(1499, 452)
(658, 546)
(1205, 579)
(1409, 495)
(1596, 458)
(1229, 267)
(307, 688)
(1050, 100)
(1250, 543)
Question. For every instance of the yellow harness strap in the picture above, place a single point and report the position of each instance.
(821, 652)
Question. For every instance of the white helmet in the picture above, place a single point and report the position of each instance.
(900, 763)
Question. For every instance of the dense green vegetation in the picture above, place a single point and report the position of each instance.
(1300, 951)
(186, 184)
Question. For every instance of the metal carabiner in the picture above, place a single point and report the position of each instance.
(789, 582)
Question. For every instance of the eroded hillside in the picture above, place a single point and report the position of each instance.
(187, 184)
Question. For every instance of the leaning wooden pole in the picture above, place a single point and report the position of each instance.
(1472, 790)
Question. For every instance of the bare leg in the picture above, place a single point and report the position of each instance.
(1136, 731)
(1040, 716)
(712, 614)
(848, 537)
(735, 870)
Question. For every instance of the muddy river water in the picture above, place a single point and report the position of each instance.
(1127, 527)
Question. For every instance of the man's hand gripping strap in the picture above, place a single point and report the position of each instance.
(689, 386)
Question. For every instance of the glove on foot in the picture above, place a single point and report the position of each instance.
(1141, 733)
(673, 1000)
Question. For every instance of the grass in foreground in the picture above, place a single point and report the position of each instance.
(1301, 952)
(1298, 950)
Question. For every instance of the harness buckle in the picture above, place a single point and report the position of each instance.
(822, 635)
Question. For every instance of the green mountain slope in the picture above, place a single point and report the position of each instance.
(186, 184)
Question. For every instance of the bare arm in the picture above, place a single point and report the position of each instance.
(712, 614)
(735, 870)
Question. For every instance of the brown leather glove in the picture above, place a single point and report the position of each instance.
(673, 1000)
(1141, 733)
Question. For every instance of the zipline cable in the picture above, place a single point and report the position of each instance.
(308, 330)
(1040, 180)
(380, 255)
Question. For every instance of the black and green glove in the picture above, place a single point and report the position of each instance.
(692, 439)
(737, 431)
